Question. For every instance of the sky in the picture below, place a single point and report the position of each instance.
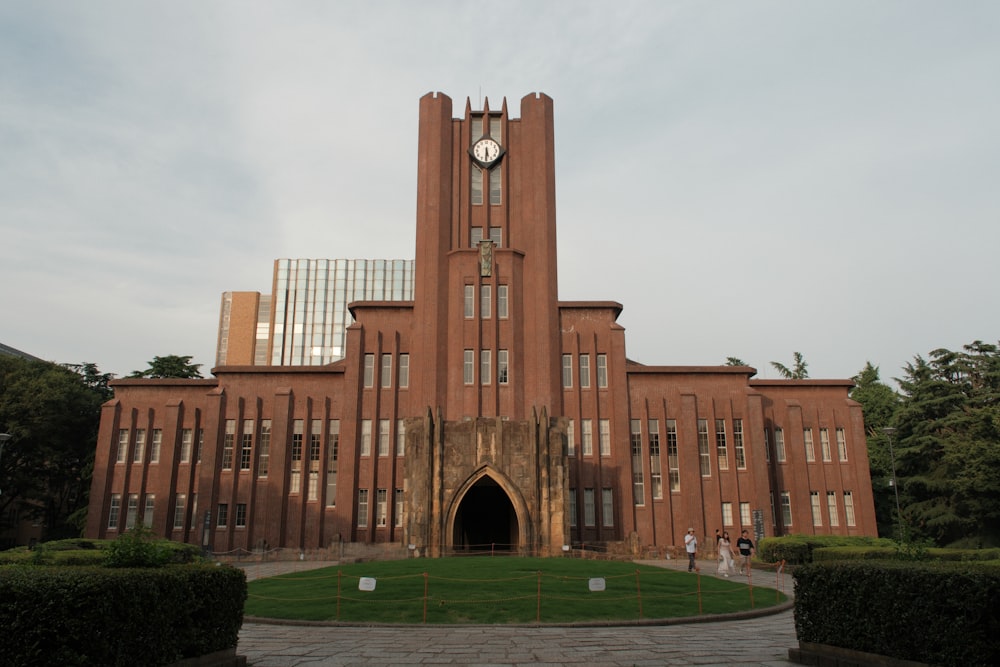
(747, 178)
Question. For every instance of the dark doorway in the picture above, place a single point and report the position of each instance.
(485, 520)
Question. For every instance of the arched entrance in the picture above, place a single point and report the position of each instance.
(485, 520)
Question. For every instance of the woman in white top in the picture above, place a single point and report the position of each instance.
(725, 556)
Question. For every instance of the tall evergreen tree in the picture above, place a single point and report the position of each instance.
(170, 366)
(879, 403)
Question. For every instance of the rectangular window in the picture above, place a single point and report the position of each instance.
(187, 439)
(824, 444)
(496, 178)
(786, 508)
(315, 440)
(369, 376)
(362, 508)
(383, 437)
(602, 371)
(180, 503)
(228, 442)
(745, 518)
(604, 425)
(140, 445)
(114, 510)
(400, 437)
(502, 307)
(584, 371)
(767, 445)
(831, 508)
(404, 371)
(502, 366)
(807, 440)
(122, 453)
(817, 510)
(154, 446)
(607, 508)
(704, 456)
(779, 445)
(194, 507)
(485, 302)
(567, 371)
(587, 437)
(572, 507)
(201, 445)
(672, 462)
(147, 512)
(635, 441)
(385, 377)
(332, 452)
(470, 301)
(397, 514)
(468, 366)
(295, 485)
(223, 518)
(720, 444)
(655, 473)
(849, 507)
(381, 506)
(264, 448)
(366, 437)
(588, 507)
(246, 445)
(571, 438)
(841, 444)
(727, 514)
(241, 515)
(485, 362)
(738, 450)
(477, 188)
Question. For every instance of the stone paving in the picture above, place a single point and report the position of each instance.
(761, 640)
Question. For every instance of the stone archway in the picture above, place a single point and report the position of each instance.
(485, 519)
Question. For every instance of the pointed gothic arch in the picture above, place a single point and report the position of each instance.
(487, 513)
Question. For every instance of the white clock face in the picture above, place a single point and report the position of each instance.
(486, 150)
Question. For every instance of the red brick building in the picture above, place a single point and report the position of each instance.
(484, 412)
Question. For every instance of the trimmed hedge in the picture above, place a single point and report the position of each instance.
(118, 617)
(798, 549)
(942, 613)
(892, 553)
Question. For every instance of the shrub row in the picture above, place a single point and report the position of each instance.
(942, 613)
(797, 549)
(889, 553)
(118, 617)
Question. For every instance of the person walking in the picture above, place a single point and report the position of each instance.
(725, 555)
(745, 545)
(691, 546)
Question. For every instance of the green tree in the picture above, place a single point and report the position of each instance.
(170, 366)
(879, 403)
(735, 361)
(796, 372)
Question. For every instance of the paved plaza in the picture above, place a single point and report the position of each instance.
(760, 640)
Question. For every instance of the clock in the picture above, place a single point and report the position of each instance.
(486, 151)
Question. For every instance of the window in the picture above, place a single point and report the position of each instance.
(404, 371)
(584, 371)
(381, 506)
(602, 371)
(807, 439)
(587, 437)
(673, 465)
(187, 439)
(720, 444)
(400, 437)
(332, 452)
(604, 425)
(228, 444)
(295, 484)
(147, 512)
(477, 187)
(485, 302)
(470, 301)
(727, 514)
(655, 473)
(122, 453)
(201, 445)
(607, 508)
(841, 444)
(849, 507)
(115, 509)
(369, 377)
(567, 370)
(264, 448)
(140, 445)
(241, 515)
(738, 450)
(638, 483)
(496, 178)
(779, 445)
(246, 445)
(180, 503)
(502, 370)
(831, 508)
(194, 507)
(588, 507)
(786, 508)
(315, 439)
(767, 445)
(484, 366)
(571, 438)
(468, 367)
(154, 447)
(704, 457)
(572, 507)
(817, 510)
(362, 508)
(223, 517)
(824, 444)
(745, 518)
(383, 437)
(385, 377)
(132, 511)
(366, 437)
(502, 308)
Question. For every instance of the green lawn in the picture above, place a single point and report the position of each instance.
(483, 589)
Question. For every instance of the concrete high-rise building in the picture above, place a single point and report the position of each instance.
(480, 412)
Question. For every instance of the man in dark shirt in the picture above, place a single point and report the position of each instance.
(746, 550)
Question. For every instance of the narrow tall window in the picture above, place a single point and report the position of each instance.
(824, 444)
(241, 515)
(477, 187)
(602, 371)
(605, 433)
(502, 307)
(383, 437)
(187, 439)
(484, 366)
(485, 302)
(831, 508)
(246, 445)
(572, 507)
(381, 506)
(588, 507)
(849, 507)
(779, 445)
(180, 505)
(200, 446)
(745, 518)
(223, 516)
(140, 445)
(817, 510)
(468, 366)
(397, 513)
(332, 452)
(607, 508)
(786, 508)
(228, 443)
(154, 446)
(369, 378)
(727, 514)
(571, 438)
(385, 377)
(147, 512)
(470, 301)
(587, 437)
(502, 367)
(122, 454)
(315, 441)
(584, 371)
(496, 194)
(672, 462)
(767, 445)
(720, 444)
(366, 437)
(738, 451)
(841, 444)
(362, 508)
(400, 437)
(295, 484)
(264, 448)
(114, 510)
(807, 440)
(704, 456)
(404, 371)
(655, 472)
(132, 511)
(567, 370)
(638, 483)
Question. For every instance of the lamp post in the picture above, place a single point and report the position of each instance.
(4, 437)
(889, 431)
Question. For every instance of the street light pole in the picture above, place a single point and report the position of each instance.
(4, 437)
(889, 432)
